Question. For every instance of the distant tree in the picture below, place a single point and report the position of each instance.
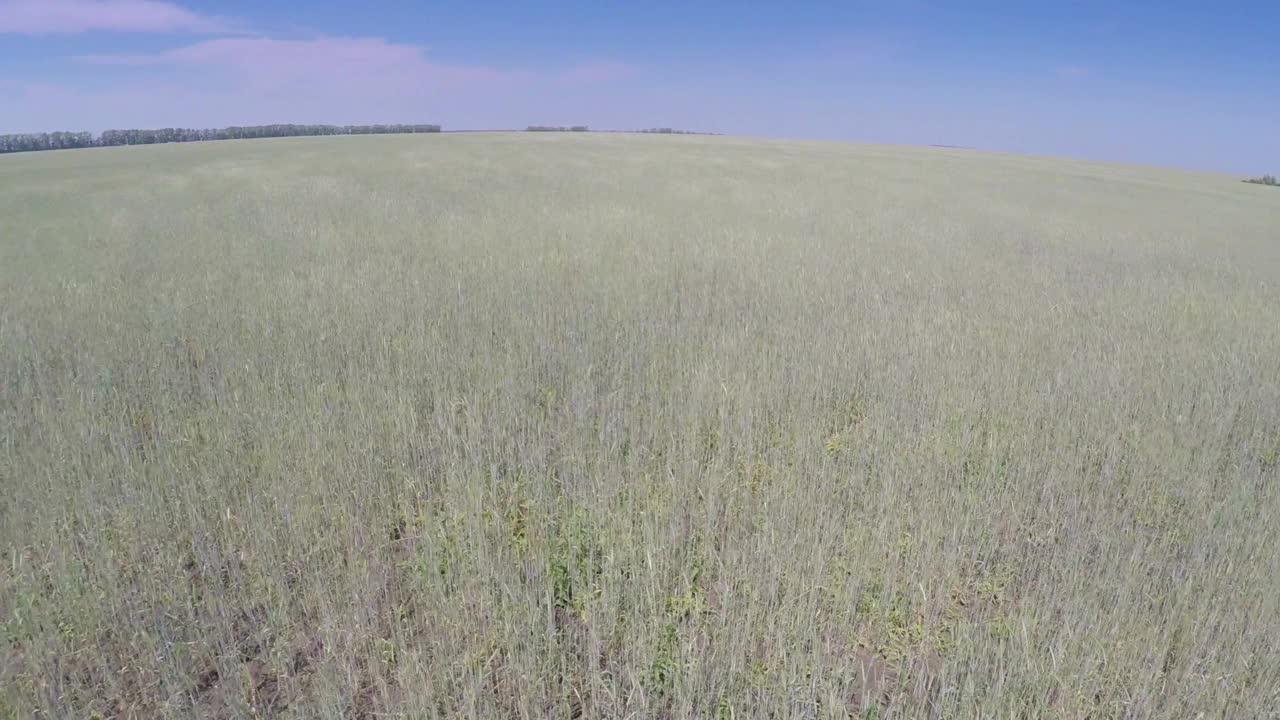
(672, 131)
(29, 142)
(1264, 180)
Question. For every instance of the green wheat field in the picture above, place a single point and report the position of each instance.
(620, 426)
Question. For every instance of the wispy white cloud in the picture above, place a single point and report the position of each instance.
(42, 17)
(324, 66)
(253, 80)
(335, 61)
(252, 53)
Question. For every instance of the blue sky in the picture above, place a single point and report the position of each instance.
(1169, 83)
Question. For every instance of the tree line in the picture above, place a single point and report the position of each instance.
(584, 128)
(671, 131)
(31, 142)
